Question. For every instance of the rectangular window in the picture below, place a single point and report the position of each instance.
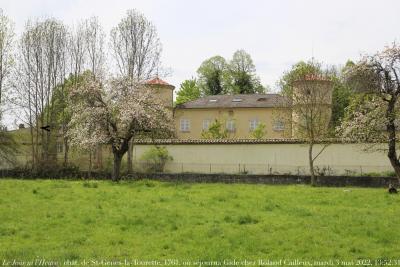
(253, 124)
(279, 126)
(60, 147)
(185, 125)
(230, 125)
(206, 124)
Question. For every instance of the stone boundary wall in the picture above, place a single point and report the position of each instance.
(270, 159)
(329, 181)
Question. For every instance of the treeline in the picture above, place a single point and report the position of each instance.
(42, 66)
(217, 76)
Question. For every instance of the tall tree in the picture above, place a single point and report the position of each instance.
(136, 50)
(114, 114)
(6, 51)
(310, 90)
(136, 47)
(7, 144)
(77, 48)
(40, 70)
(94, 40)
(342, 95)
(188, 91)
(213, 76)
(376, 120)
(242, 74)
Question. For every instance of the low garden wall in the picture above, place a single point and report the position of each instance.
(336, 181)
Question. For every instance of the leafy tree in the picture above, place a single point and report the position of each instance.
(259, 132)
(6, 50)
(136, 48)
(8, 148)
(156, 158)
(215, 131)
(7, 144)
(377, 120)
(242, 74)
(114, 113)
(188, 91)
(309, 88)
(342, 95)
(212, 76)
(61, 111)
(298, 71)
(364, 120)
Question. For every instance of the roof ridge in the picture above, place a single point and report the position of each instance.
(228, 101)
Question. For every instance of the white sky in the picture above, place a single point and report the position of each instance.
(275, 33)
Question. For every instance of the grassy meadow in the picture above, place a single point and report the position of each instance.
(147, 220)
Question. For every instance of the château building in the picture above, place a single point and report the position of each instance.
(240, 115)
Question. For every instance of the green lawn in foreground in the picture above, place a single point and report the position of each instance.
(79, 220)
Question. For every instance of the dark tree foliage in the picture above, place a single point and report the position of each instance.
(212, 76)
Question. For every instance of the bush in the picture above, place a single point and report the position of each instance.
(156, 158)
(259, 132)
(215, 131)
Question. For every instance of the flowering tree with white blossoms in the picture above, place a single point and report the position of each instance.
(375, 120)
(113, 113)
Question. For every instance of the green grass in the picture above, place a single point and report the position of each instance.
(76, 220)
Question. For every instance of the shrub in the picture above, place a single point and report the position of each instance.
(215, 131)
(156, 158)
(259, 132)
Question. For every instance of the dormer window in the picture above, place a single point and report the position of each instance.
(262, 99)
(237, 100)
(212, 100)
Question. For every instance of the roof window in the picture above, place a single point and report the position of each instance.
(237, 100)
(212, 100)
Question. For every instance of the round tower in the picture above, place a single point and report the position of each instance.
(163, 91)
(311, 106)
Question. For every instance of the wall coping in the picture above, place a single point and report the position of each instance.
(234, 141)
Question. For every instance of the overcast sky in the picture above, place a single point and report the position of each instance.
(275, 33)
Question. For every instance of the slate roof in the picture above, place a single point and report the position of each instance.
(237, 101)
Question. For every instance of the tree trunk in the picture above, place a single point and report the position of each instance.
(66, 149)
(99, 152)
(130, 157)
(118, 151)
(311, 162)
(117, 166)
(391, 129)
(90, 163)
(32, 143)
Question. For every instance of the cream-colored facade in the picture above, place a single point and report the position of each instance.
(239, 122)
(240, 115)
